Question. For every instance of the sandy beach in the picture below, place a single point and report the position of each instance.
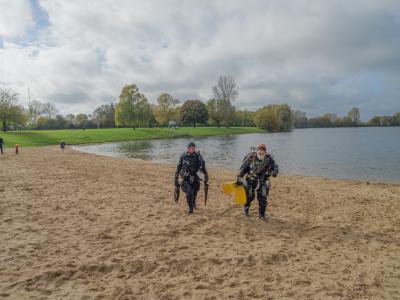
(81, 226)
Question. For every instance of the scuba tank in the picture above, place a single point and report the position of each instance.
(250, 154)
(253, 151)
(250, 157)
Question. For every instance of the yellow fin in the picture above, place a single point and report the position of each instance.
(228, 187)
(238, 192)
(240, 195)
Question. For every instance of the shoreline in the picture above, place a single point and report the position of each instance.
(78, 225)
(40, 138)
(367, 181)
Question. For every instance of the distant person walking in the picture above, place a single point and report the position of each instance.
(1, 144)
(62, 146)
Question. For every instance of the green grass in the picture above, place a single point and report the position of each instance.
(34, 138)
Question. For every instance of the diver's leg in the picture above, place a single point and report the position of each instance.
(249, 198)
(188, 190)
(262, 195)
(194, 199)
(195, 189)
(189, 198)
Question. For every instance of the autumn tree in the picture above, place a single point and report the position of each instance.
(164, 111)
(129, 107)
(193, 112)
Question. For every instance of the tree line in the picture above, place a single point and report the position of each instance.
(133, 110)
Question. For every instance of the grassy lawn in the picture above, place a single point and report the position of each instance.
(33, 138)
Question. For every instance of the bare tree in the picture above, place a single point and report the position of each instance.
(226, 89)
(354, 115)
(35, 111)
(7, 99)
(98, 116)
(49, 109)
(225, 92)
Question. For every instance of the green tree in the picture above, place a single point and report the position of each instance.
(41, 122)
(60, 122)
(104, 115)
(81, 120)
(274, 118)
(245, 118)
(165, 109)
(327, 120)
(347, 122)
(193, 112)
(386, 121)
(300, 119)
(375, 121)
(229, 113)
(145, 113)
(396, 119)
(354, 115)
(18, 116)
(177, 115)
(7, 99)
(70, 118)
(267, 119)
(284, 114)
(215, 111)
(128, 108)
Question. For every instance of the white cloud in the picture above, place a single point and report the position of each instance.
(15, 18)
(318, 56)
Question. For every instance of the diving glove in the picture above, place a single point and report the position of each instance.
(275, 171)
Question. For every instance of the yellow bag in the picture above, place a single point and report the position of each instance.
(238, 191)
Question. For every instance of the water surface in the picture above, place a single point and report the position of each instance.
(371, 153)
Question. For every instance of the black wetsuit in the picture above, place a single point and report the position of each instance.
(188, 166)
(257, 180)
(1, 145)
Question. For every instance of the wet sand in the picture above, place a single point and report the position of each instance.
(80, 226)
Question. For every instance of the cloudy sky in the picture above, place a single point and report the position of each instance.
(317, 56)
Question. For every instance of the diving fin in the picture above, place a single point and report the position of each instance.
(238, 192)
(240, 195)
(228, 187)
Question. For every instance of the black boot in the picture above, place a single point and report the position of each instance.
(261, 210)
(190, 203)
(246, 210)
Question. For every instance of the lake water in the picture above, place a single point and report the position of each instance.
(371, 153)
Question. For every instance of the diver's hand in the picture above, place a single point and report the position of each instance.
(275, 171)
(239, 181)
(176, 182)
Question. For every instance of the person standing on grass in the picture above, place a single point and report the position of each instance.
(62, 146)
(1, 144)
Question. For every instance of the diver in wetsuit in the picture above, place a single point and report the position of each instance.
(189, 164)
(258, 167)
